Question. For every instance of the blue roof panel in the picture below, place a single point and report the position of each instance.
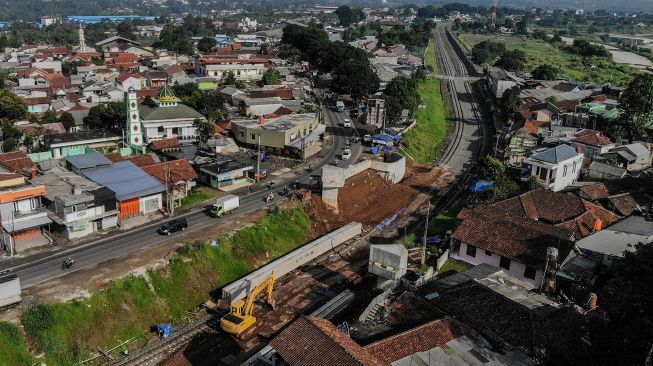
(125, 179)
(89, 160)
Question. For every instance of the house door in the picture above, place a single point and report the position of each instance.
(543, 173)
(175, 130)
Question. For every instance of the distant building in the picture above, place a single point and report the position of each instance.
(74, 143)
(116, 43)
(247, 67)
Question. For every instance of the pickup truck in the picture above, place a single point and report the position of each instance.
(224, 205)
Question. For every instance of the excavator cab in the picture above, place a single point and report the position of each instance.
(240, 317)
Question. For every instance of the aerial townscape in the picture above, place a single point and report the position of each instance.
(299, 183)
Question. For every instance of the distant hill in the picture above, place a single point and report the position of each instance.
(587, 5)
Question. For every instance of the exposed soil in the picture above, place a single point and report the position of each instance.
(369, 199)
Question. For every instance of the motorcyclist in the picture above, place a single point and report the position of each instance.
(68, 262)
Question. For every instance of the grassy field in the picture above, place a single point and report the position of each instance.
(429, 56)
(594, 69)
(129, 307)
(13, 349)
(197, 196)
(423, 142)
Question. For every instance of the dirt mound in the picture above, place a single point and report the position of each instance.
(366, 198)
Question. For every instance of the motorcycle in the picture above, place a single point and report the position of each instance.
(268, 198)
(271, 185)
(285, 191)
(68, 263)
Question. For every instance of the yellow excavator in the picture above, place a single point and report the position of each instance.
(240, 318)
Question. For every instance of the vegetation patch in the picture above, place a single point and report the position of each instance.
(594, 69)
(423, 143)
(197, 196)
(13, 348)
(454, 265)
(127, 308)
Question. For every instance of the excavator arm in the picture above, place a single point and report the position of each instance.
(266, 285)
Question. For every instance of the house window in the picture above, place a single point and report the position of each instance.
(504, 263)
(488, 253)
(573, 170)
(242, 134)
(160, 129)
(252, 136)
(471, 250)
(529, 272)
(564, 171)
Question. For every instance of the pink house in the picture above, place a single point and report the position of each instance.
(516, 244)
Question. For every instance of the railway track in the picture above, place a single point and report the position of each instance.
(468, 123)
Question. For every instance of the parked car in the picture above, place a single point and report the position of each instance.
(173, 226)
(346, 154)
(347, 123)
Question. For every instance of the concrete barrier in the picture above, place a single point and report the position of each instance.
(291, 261)
(443, 258)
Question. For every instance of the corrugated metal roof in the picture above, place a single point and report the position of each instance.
(556, 154)
(90, 160)
(125, 179)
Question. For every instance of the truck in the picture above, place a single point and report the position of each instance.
(340, 106)
(9, 288)
(224, 205)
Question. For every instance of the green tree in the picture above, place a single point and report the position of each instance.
(510, 99)
(174, 38)
(11, 106)
(50, 116)
(637, 106)
(206, 44)
(487, 51)
(212, 105)
(401, 93)
(204, 130)
(355, 78)
(229, 78)
(9, 144)
(492, 168)
(622, 331)
(240, 84)
(271, 77)
(67, 120)
(126, 29)
(512, 60)
(545, 72)
(348, 16)
(556, 38)
(521, 28)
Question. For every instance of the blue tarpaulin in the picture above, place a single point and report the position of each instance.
(164, 330)
(481, 186)
(434, 239)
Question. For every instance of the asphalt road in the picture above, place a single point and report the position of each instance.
(99, 251)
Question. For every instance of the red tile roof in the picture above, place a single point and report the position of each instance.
(48, 129)
(423, 338)
(79, 107)
(174, 69)
(126, 75)
(142, 160)
(595, 191)
(511, 236)
(311, 341)
(179, 170)
(114, 157)
(162, 144)
(544, 205)
(594, 219)
(592, 139)
(534, 126)
(17, 162)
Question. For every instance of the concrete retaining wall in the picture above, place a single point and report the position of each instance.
(335, 305)
(334, 177)
(291, 261)
(443, 258)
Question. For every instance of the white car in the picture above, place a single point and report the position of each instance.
(346, 123)
(346, 154)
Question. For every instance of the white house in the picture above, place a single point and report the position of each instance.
(128, 80)
(555, 168)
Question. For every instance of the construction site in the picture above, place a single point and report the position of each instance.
(333, 277)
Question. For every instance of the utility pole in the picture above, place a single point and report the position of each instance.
(426, 229)
(258, 159)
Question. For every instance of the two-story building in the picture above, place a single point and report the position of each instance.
(24, 220)
(591, 143)
(247, 67)
(77, 206)
(293, 134)
(554, 168)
